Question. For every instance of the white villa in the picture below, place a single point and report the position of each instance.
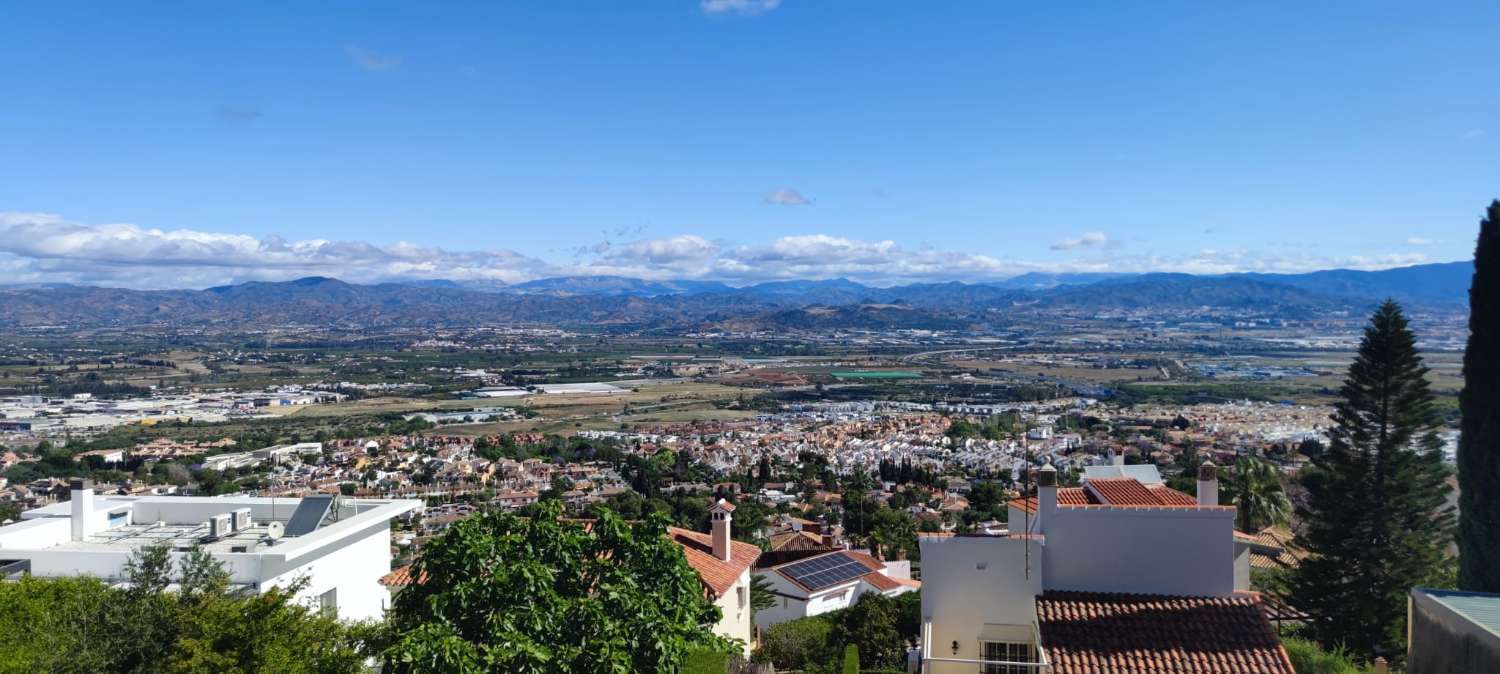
(1117, 575)
(828, 581)
(342, 547)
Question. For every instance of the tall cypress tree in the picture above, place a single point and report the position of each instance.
(1479, 445)
(1375, 518)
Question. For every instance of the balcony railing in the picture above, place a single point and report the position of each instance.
(1041, 666)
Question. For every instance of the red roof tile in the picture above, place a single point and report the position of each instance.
(1170, 496)
(1118, 491)
(1075, 496)
(1091, 632)
(717, 575)
(880, 581)
(398, 578)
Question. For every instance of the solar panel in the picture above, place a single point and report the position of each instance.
(825, 570)
(309, 514)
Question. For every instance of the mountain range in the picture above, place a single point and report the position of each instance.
(792, 304)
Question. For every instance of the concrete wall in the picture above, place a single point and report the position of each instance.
(1242, 565)
(977, 587)
(353, 569)
(1177, 551)
(1440, 641)
(35, 533)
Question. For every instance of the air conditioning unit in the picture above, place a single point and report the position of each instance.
(218, 526)
(241, 519)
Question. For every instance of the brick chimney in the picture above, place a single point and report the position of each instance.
(719, 515)
(81, 502)
(1208, 484)
(1046, 496)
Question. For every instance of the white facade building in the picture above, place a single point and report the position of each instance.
(339, 547)
(828, 581)
(1112, 569)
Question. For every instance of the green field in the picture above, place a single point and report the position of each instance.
(874, 374)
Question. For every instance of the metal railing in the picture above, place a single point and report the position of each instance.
(1042, 664)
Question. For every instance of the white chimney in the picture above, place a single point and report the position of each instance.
(1046, 496)
(1208, 484)
(1117, 458)
(719, 516)
(81, 499)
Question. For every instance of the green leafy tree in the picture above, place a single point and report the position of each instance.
(800, 644)
(1376, 524)
(1479, 404)
(78, 625)
(544, 595)
(1259, 498)
(761, 594)
(873, 626)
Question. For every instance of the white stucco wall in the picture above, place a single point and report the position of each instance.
(353, 568)
(973, 586)
(1177, 551)
(734, 608)
(793, 602)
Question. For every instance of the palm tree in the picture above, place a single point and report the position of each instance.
(1258, 496)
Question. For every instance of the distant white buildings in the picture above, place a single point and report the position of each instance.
(340, 547)
(274, 455)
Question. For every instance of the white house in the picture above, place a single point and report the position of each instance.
(820, 582)
(341, 547)
(1114, 575)
(723, 566)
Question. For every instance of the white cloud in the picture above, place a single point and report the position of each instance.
(787, 197)
(42, 248)
(41, 245)
(1419, 241)
(740, 7)
(369, 60)
(1088, 240)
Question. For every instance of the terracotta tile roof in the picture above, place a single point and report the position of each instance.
(796, 540)
(1118, 491)
(1170, 496)
(1027, 504)
(717, 575)
(398, 578)
(880, 581)
(1075, 496)
(1113, 491)
(1274, 548)
(1091, 632)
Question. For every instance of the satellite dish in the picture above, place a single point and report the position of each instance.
(275, 530)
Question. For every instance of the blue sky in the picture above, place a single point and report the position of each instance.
(178, 145)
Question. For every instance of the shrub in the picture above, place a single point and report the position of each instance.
(796, 644)
(706, 661)
(1310, 658)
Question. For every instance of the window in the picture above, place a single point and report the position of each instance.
(1009, 651)
(741, 592)
(328, 602)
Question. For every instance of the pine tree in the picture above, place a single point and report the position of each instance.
(1376, 521)
(1479, 445)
